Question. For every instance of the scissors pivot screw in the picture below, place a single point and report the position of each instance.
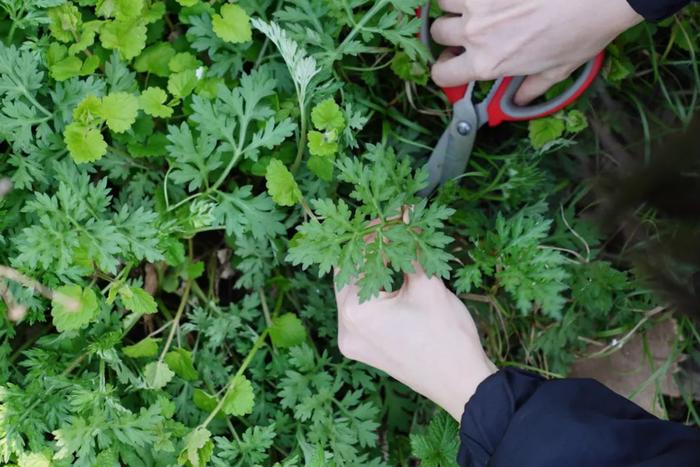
(464, 128)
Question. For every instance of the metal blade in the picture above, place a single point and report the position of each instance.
(451, 155)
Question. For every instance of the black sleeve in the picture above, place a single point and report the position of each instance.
(516, 418)
(654, 10)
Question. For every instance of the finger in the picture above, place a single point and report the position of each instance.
(347, 295)
(535, 86)
(448, 31)
(453, 70)
(453, 6)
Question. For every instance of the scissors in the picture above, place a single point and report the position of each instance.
(451, 154)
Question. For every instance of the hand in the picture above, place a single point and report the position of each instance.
(546, 40)
(422, 335)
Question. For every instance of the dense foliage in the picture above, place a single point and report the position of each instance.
(178, 179)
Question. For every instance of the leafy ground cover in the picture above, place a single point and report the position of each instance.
(178, 179)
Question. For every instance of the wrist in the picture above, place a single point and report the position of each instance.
(455, 395)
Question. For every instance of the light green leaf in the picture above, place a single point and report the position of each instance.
(152, 102)
(65, 21)
(240, 399)
(90, 65)
(327, 116)
(323, 144)
(119, 110)
(73, 307)
(576, 121)
(287, 331)
(198, 448)
(84, 144)
(155, 59)
(322, 167)
(182, 84)
(545, 130)
(187, 3)
(180, 361)
(126, 37)
(232, 24)
(157, 375)
(65, 69)
(147, 347)
(88, 111)
(33, 459)
(137, 300)
(281, 184)
(183, 61)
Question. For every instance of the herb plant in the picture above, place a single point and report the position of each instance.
(179, 179)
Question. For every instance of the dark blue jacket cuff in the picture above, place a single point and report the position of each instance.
(516, 418)
(654, 10)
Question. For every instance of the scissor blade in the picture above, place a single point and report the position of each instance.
(450, 156)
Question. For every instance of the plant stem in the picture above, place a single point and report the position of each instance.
(358, 27)
(302, 137)
(176, 320)
(249, 358)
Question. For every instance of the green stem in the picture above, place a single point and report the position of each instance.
(176, 320)
(358, 27)
(302, 137)
(244, 366)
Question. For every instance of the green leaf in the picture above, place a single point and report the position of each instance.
(203, 400)
(287, 331)
(322, 167)
(152, 102)
(187, 3)
(126, 37)
(576, 121)
(180, 361)
(88, 111)
(65, 21)
(182, 84)
(34, 459)
(157, 375)
(137, 300)
(545, 130)
(147, 347)
(410, 70)
(240, 398)
(232, 24)
(73, 307)
(327, 116)
(84, 144)
(183, 61)
(67, 68)
(119, 110)
(437, 446)
(281, 184)
(198, 448)
(155, 59)
(323, 144)
(90, 65)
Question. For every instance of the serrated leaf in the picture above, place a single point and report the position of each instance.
(84, 144)
(119, 110)
(65, 21)
(147, 347)
(281, 184)
(137, 300)
(232, 24)
(128, 37)
(155, 59)
(152, 102)
(323, 144)
(327, 116)
(240, 399)
(73, 307)
(182, 84)
(183, 61)
(180, 361)
(437, 446)
(157, 375)
(576, 121)
(322, 167)
(545, 130)
(287, 331)
(198, 448)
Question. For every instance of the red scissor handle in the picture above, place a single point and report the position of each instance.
(499, 103)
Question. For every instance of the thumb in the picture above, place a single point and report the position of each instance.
(536, 85)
